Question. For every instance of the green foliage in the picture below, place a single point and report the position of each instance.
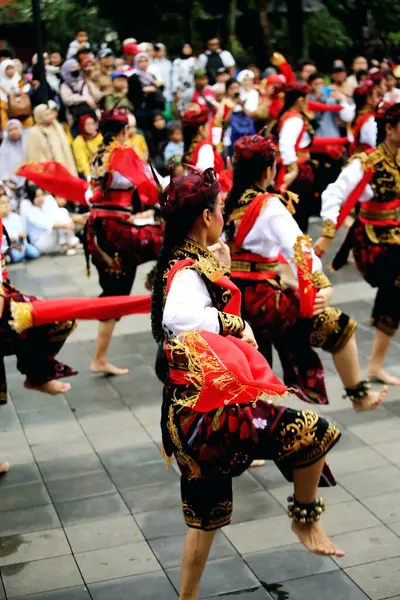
(322, 29)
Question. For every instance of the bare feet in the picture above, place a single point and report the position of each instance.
(52, 387)
(107, 368)
(382, 376)
(4, 468)
(371, 401)
(313, 537)
(257, 463)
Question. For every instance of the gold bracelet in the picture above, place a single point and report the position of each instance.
(329, 229)
(320, 280)
(294, 167)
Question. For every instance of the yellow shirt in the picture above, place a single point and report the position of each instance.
(138, 143)
(84, 151)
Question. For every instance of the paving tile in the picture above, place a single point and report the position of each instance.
(20, 474)
(395, 527)
(120, 561)
(348, 441)
(23, 496)
(123, 419)
(257, 594)
(142, 587)
(390, 450)
(9, 418)
(269, 476)
(130, 457)
(256, 505)
(161, 523)
(61, 449)
(289, 562)
(103, 534)
(349, 418)
(385, 506)
(327, 586)
(169, 550)
(91, 509)
(246, 483)
(259, 535)
(28, 520)
(148, 474)
(222, 576)
(110, 440)
(46, 416)
(152, 497)
(66, 432)
(41, 576)
(75, 593)
(70, 466)
(378, 579)
(378, 432)
(33, 546)
(369, 545)
(372, 482)
(355, 460)
(82, 486)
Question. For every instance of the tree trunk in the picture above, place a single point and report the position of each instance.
(231, 22)
(187, 21)
(265, 33)
(295, 16)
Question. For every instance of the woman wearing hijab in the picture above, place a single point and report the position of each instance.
(79, 96)
(47, 140)
(86, 145)
(13, 152)
(13, 96)
(144, 92)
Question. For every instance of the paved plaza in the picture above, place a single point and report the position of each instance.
(90, 511)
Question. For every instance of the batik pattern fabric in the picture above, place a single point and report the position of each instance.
(34, 348)
(212, 447)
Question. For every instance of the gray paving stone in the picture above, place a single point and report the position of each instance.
(378, 579)
(33, 546)
(8, 418)
(289, 562)
(152, 497)
(70, 466)
(130, 457)
(262, 534)
(223, 576)
(377, 543)
(41, 576)
(27, 495)
(20, 474)
(255, 506)
(348, 441)
(120, 561)
(372, 482)
(390, 450)
(246, 483)
(378, 432)
(2, 591)
(61, 449)
(269, 476)
(46, 416)
(82, 486)
(349, 418)
(385, 506)
(103, 534)
(169, 550)
(149, 474)
(142, 587)
(28, 520)
(327, 586)
(258, 594)
(76, 593)
(161, 523)
(91, 509)
(395, 527)
(43, 434)
(355, 461)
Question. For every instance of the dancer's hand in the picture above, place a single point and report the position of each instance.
(322, 246)
(248, 336)
(322, 299)
(222, 252)
(1, 306)
(289, 178)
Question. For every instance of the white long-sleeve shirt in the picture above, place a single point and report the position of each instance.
(205, 158)
(369, 132)
(275, 232)
(337, 193)
(288, 136)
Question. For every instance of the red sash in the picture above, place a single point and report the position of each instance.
(354, 197)
(282, 169)
(249, 218)
(360, 122)
(389, 213)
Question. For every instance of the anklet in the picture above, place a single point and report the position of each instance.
(305, 513)
(358, 392)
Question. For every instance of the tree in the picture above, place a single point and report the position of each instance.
(262, 6)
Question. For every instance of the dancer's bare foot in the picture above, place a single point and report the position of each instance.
(4, 468)
(107, 368)
(313, 537)
(257, 463)
(382, 376)
(371, 401)
(52, 387)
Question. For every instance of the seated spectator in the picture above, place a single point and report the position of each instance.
(136, 140)
(86, 144)
(47, 140)
(49, 227)
(14, 96)
(118, 97)
(79, 215)
(248, 94)
(130, 50)
(80, 41)
(20, 248)
(203, 93)
(392, 94)
(13, 153)
(175, 146)
(144, 92)
(105, 57)
(56, 59)
(214, 58)
(104, 85)
(157, 139)
(222, 78)
(79, 96)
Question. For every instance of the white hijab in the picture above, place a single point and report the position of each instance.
(6, 83)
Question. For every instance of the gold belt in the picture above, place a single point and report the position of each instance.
(381, 215)
(390, 236)
(245, 266)
(3, 263)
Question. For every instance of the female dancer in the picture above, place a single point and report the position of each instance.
(217, 440)
(372, 179)
(366, 98)
(260, 229)
(198, 143)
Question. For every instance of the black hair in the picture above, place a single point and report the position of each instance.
(361, 73)
(291, 96)
(110, 128)
(305, 62)
(246, 172)
(177, 226)
(388, 119)
(80, 30)
(175, 127)
(4, 53)
(314, 76)
(189, 133)
(229, 83)
(31, 191)
(359, 101)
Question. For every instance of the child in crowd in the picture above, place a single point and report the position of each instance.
(136, 140)
(118, 97)
(79, 43)
(175, 145)
(19, 248)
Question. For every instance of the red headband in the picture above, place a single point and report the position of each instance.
(365, 88)
(116, 114)
(195, 115)
(248, 146)
(190, 190)
(389, 112)
(299, 87)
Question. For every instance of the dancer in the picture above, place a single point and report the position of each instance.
(198, 139)
(115, 244)
(212, 439)
(372, 179)
(260, 228)
(36, 348)
(366, 98)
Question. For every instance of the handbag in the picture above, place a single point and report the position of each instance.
(19, 106)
